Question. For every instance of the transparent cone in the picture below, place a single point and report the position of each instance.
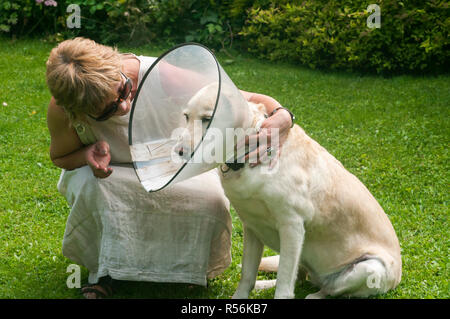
(184, 115)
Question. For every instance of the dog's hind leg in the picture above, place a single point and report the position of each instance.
(253, 249)
(362, 279)
(265, 284)
(269, 264)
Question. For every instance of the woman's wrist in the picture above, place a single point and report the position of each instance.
(73, 160)
(289, 114)
(272, 106)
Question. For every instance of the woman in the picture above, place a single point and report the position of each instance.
(115, 228)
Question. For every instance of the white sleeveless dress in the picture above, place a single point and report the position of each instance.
(179, 234)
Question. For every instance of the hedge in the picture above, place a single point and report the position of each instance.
(136, 21)
(413, 36)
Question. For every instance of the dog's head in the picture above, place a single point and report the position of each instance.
(198, 113)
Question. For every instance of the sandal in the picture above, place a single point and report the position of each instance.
(102, 289)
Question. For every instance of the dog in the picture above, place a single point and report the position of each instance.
(321, 218)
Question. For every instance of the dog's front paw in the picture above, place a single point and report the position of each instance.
(284, 296)
(240, 295)
(318, 295)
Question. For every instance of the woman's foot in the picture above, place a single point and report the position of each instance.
(102, 289)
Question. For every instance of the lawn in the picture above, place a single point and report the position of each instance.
(392, 133)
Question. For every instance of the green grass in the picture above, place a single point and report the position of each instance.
(391, 133)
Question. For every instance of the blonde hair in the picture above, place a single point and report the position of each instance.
(83, 75)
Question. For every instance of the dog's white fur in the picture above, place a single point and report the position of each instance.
(318, 215)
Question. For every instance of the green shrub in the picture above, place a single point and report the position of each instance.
(318, 33)
(123, 20)
(23, 17)
(334, 34)
(114, 21)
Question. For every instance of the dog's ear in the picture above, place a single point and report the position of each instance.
(262, 108)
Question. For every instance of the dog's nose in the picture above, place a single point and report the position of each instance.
(180, 151)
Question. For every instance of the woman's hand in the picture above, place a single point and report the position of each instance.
(98, 158)
(272, 134)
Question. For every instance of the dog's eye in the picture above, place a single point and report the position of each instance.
(206, 119)
(186, 116)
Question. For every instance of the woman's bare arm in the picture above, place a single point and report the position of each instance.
(66, 149)
(269, 102)
(280, 121)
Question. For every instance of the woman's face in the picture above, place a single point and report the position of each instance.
(123, 106)
(120, 104)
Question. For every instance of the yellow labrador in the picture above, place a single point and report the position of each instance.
(315, 213)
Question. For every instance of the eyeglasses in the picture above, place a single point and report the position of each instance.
(112, 108)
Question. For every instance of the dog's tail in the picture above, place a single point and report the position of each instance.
(269, 264)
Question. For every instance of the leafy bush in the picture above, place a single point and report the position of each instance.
(334, 34)
(113, 21)
(23, 17)
(122, 20)
(318, 33)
